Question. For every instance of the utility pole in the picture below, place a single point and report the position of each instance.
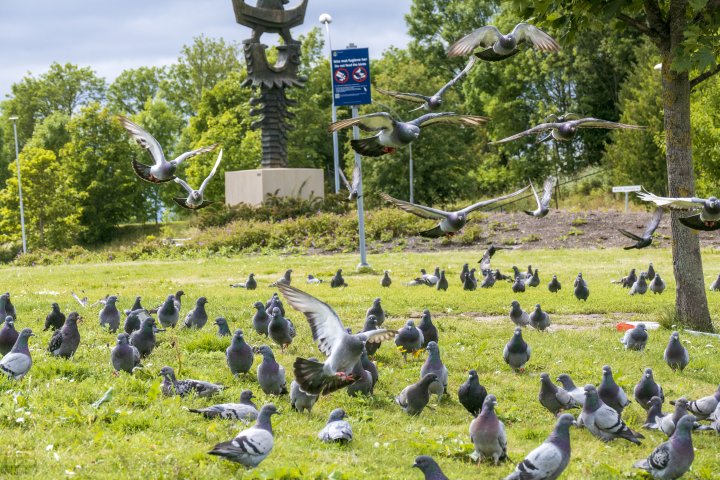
(17, 164)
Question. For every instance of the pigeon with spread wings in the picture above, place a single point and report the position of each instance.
(646, 239)
(352, 187)
(342, 348)
(707, 219)
(497, 46)
(566, 127)
(394, 133)
(195, 200)
(162, 170)
(434, 102)
(543, 204)
(450, 222)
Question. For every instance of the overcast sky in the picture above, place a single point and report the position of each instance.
(113, 35)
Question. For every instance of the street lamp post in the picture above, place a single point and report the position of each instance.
(17, 164)
(326, 20)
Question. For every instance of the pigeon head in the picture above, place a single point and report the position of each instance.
(423, 271)
(276, 312)
(167, 373)
(675, 336)
(591, 397)
(123, 339)
(425, 463)
(566, 381)
(544, 377)
(265, 351)
(428, 378)
(655, 401)
(337, 414)
(268, 410)
(433, 348)
(377, 301)
(564, 422)
(648, 373)
(579, 275)
(515, 304)
(435, 102)
(259, 305)
(681, 403)
(713, 205)
(607, 371)
(73, 317)
(179, 294)
(55, 307)
(490, 401)
(246, 396)
(339, 271)
(220, 321)
(410, 324)
(685, 424)
(26, 333)
(641, 326)
(554, 277)
(238, 335)
(10, 322)
(201, 301)
(148, 324)
(252, 275)
(407, 132)
(472, 374)
(518, 332)
(196, 195)
(537, 307)
(643, 275)
(371, 320)
(170, 298)
(111, 300)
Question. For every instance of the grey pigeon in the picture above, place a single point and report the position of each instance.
(280, 329)
(338, 280)
(223, 327)
(124, 356)
(715, 285)
(603, 421)
(431, 280)
(376, 310)
(519, 316)
(261, 319)
(471, 394)
(498, 46)
(8, 335)
(488, 280)
(287, 278)
(245, 410)
(654, 414)
(635, 338)
(110, 315)
(673, 458)
(553, 398)
(342, 348)
(270, 374)
(168, 313)
(144, 338)
(393, 133)
(371, 324)
(487, 257)
(386, 280)
(610, 393)
(704, 407)
(487, 433)
(519, 285)
(429, 331)
(355, 185)
(565, 127)
(414, 398)
(534, 280)
(640, 286)
(646, 239)
(65, 341)
(195, 199)
(581, 290)
(273, 303)
(172, 386)
(16, 363)
(539, 320)
(668, 423)
(369, 366)
(433, 364)
(363, 384)
(470, 283)
(178, 299)
(337, 429)
(569, 386)
(239, 355)
(409, 339)
(449, 222)
(6, 307)
(706, 210)
(429, 468)
(249, 284)
(54, 319)
(646, 389)
(650, 273)
(137, 305)
(464, 272)
(313, 280)
(676, 355)
(543, 203)
(299, 400)
(517, 352)
(442, 283)
(252, 445)
(657, 285)
(554, 285)
(132, 321)
(197, 317)
(551, 458)
(518, 274)
(628, 280)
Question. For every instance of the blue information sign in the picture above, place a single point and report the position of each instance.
(351, 77)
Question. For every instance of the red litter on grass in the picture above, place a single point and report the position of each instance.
(623, 326)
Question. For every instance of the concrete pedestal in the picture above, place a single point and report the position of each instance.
(253, 186)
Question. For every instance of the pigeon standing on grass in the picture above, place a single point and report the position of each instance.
(646, 389)
(657, 285)
(646, 239)
(270, 374)
(261, 319)
(610, 393)
(442, 283)
(386, 280)
(569, 386)
(549, 460)
(433, 364)
(635, 338)
(124, 356)
(517, 352)
(337, 429)
(132, 321)
(371, 324)
(543, 203)
(487, 433)
(470, 283)
(239, 355)
(672, 459)
(376, 310)
(172, 386)
(281, 330)
(554, 285)
(603, 421)
(249, 284)
(252, 445)
(539, 320)
(370, 367)
(65, 341)
(676, 355)
(245, 411)
(429, 331)
(287, 278)
(223, 327)
(429, 468)
(654, 414)
(195, 199)
(534, 280)
(16, 363)
(582, 292)
(197, 317)
(464, 272)
(6, 308)
(519, 285)
(8, 335)
(640, 286)
(519, 316)
(299, 400)
(628, 280)
(54, 319)
(414, 398)
(409, 339)
(338, 280)
(110, 315)
(168, 313)
(137, 305)
(668, 423)
(704, 407)
(488, 281)
(363, 384)
(650, 273)
(553, 398)
(144, 339)
(471, 394)
(313, 280)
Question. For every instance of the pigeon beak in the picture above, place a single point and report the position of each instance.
(33, 335)
(415, 465)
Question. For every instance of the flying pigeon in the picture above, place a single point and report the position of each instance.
(168, 313)
(543, 204)
(337, 429)
(471, 394)
(197, 317)
(376, 310)
(497, 46)
(338, 280)
(582, 292)
(195, 199)
(124, 356)
(16, 363)
(442, 283)
(144, 338)
(450, 222)
(551, 458)
(270, 374)
(162, 170)
(261, 319)
(636, 338)
(554, 398)
(519, 316)
(554, 285)
(434, 102)
(8, 335)
(646, 389)
(487, 433)
(707, 216)
(657, 285)
(569, 386)
(433, 364)
(610, 393)
(409, 339)
(299, 400)
(517, 352)
(673, 458)
(386, 280)
(110, 315)
(429, 331)
(172, 386)
(249, 284)
(393, 133)
(704, 407)
(252, 445)
(676, 355)
(603, 421)
(355, 185)
(539, 320)
(54, 319)
(429, 468)
(646, 239)
(342, 348)
(239, 355)
(414, 398)
(640, 286)
(280, 329)
(65, 341)
(245, 411)
(654, 414)
(565, 128)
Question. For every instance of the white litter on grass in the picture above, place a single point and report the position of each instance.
(48, 292)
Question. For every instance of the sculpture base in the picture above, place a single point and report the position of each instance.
(253, 186)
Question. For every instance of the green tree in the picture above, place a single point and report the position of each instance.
(133, 88)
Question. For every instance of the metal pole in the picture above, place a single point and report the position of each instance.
(17, 163)
(412, 197)
(626, 201)
(327, 20)
(360, 202)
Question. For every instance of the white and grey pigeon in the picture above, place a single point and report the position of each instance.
(543, 203)
(498, 46)
(519, 316)
(414, 398)
(450, 222)
(16, 364)
(195, 199)
(569, 386)
(355, 185)
(640, 287)
(172, 386)
(299, 400)
(646, 389)
(668, 423)
(704, 407)
(549, 460)
(124, 356)
(707, 210)
(161, 171)
(715, 285)
(270, 374)
(554, 398)
(337, 429)
(393, 134)
(249, 284)
(676, 355)
(517, 352)
(610, 393)
(342, 348)
(434, 102)
(603, 421)
(110, 315)
(657, 285)
(82, 301)
(313, 280)
(672, 459)
(565, 128)
(646, 239)
(488, 435)
(252, 445)
(636, 338)
(533, 280)
(245, 410)
(433, 364)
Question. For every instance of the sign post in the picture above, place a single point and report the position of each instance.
(626, 189)
(351, 87)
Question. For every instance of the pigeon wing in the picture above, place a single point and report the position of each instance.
(540, 463)
(408, 97)
(537, 199)
(524, 32)
(598, 123)
(482, 37)
(212, 173)
(419, 210)
(679, 203)
(448, 117)
(485, 203)
(144, 139)
(659, 459)
(654, 222)
(344, 179)
(15, 363)
(192, 153)
(184, 185)
(372, 122)
(457, 78)
(377, 336)
(547, 192)
(543, 127)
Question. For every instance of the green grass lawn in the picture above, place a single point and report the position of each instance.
(50, 429)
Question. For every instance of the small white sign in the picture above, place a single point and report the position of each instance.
(627, 188)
